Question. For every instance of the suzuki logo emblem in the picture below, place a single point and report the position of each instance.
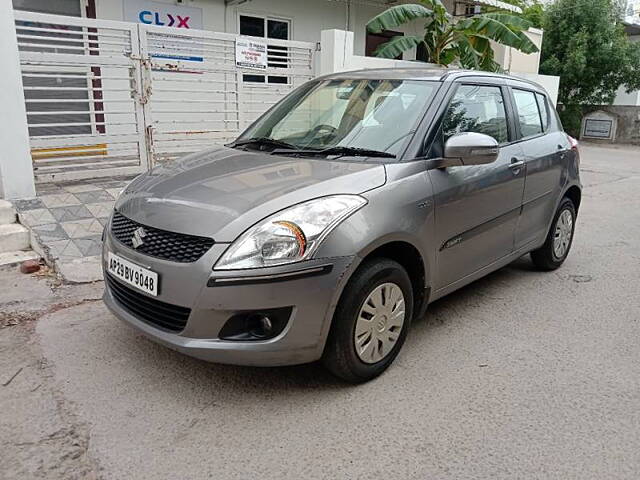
(138, 235)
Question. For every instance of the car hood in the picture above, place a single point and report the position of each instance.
(221, 192)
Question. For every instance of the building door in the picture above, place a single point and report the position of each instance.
(374, 40)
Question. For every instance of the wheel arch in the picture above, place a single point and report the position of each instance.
(574, 193)
(406, 253)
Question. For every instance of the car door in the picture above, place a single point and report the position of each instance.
(476, 207)
(543, 147)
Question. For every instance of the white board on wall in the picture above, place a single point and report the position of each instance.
(163, 14)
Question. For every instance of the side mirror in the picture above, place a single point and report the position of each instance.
(470, 148)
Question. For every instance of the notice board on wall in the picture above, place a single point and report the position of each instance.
(251, 54)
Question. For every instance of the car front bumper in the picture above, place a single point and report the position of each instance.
(311, 288)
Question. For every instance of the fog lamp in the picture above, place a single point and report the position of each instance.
(261, 326)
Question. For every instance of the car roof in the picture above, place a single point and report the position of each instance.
(417, 73)
(432, 73)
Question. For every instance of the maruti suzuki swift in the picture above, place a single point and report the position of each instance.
(339, 215)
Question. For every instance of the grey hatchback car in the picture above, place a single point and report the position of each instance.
(339, 215)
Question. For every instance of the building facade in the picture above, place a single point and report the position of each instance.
(300, 20)
(111, 87)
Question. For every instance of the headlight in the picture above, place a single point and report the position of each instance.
(290, 235)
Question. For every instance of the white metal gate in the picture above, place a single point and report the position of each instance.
(111, 98)
(199, 97)
(81, 77)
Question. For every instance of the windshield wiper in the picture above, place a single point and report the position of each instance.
(341, 151)
(266, 141)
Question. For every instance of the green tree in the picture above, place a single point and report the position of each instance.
(532, 10)
(446, 41)
(585, 45)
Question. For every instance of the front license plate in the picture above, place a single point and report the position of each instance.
(132, 274)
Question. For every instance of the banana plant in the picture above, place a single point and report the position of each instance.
(446, 41)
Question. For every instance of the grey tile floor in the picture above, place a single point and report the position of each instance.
(68, 218)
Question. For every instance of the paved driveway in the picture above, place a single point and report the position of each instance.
(520, 375)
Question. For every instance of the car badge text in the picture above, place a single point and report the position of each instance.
(138, 236)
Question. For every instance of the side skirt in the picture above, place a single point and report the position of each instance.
(472, 277)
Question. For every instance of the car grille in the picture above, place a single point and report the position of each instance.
(159, 314)
(177, 247)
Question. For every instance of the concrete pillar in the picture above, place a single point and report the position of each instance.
(16, 170)
(336, 49)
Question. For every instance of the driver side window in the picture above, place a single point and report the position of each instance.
(476, 108)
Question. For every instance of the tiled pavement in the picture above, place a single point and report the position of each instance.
(67, 218)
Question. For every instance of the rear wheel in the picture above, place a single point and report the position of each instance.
(371, 321)
(558, 243)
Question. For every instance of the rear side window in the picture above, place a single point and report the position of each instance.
(544, 110)
(527, 112)
(476, 108)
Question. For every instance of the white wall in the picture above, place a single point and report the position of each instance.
(308, 17)
(512, 60)
(16, 171)
(624, 98)
(212, 11)
(360, 15)
(550, 83)
(337, 55)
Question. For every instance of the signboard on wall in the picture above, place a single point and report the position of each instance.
(250, 54)
(599, 124)
(162, 14)
(597, 128)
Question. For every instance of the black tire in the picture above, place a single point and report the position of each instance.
(340, 356)
(544, 257)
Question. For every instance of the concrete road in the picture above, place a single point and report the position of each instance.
(520, 375)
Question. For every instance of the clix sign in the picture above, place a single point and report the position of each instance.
(150, 12)
(156, 18)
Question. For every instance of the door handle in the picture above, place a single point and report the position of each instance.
(563, 152)
(516, 165)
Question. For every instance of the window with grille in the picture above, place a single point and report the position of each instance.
(277, 56)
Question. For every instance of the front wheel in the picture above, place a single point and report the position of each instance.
(558, 243)
(371, 321)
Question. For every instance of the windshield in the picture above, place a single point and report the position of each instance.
(377, 115)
